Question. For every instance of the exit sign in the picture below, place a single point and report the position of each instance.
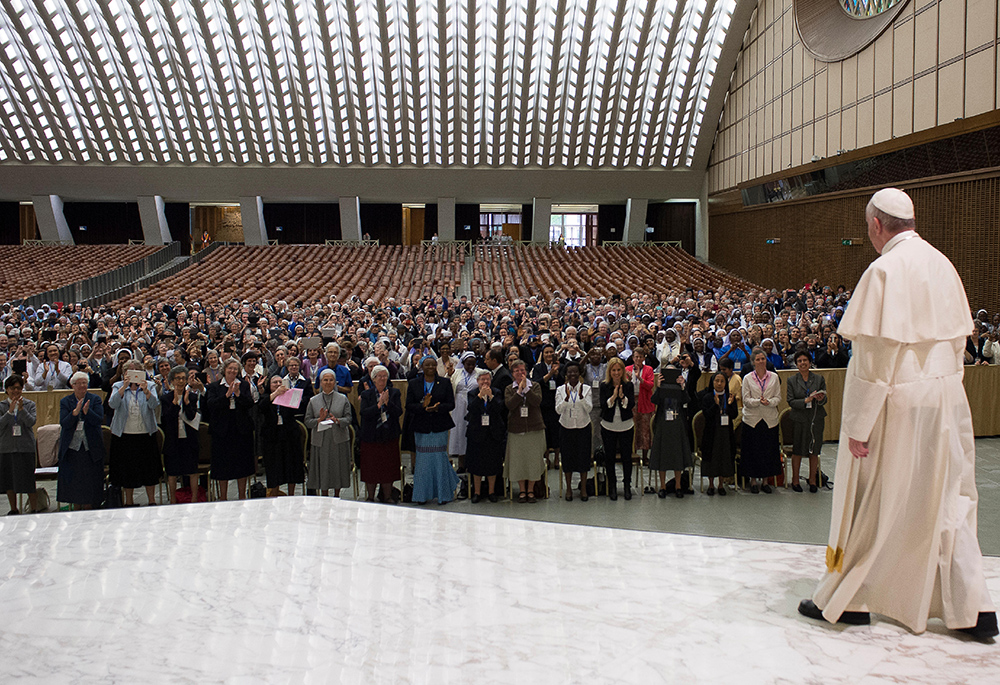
(772, 241)
(848, 242)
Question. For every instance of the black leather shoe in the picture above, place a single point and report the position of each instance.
(813, 489)
(985, 628)
(477, 498)
(710, 492)
(851, 618)
(679, 494)
(754, 489)
(797, 488)
(493, 497)
(583, 495)
(569, 495)
(765, 488)
(661, 494)
(628, 492)
(613, 493)
(722, 491)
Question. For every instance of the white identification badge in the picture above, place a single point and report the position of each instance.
(724, 421)
(524, 412)
(281, 420)
(232, 403)
(670, 415)
(737, 366)
(79, 426)
(596, 384)
(17, 430)
(552, 385)
(809, 405)
(486, 420)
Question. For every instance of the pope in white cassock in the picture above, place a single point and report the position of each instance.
(903, 539)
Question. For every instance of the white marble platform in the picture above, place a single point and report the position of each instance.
(311, 590)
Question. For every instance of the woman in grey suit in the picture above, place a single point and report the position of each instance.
(17, 445)
(806, 396)
(328, 418)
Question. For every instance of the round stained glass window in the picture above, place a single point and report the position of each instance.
(867, 8)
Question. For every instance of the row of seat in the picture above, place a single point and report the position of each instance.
(26, 270)
(313, 272)
(521, 270)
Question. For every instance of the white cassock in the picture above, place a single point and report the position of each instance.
(903, 539)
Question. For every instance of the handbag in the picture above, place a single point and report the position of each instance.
(257, 490)
(112, 497)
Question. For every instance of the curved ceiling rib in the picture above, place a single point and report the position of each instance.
(345, 83)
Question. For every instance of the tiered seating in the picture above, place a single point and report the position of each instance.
(27, 270)
(312, 272)
(521, 270)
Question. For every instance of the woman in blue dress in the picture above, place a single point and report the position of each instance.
(429, 402)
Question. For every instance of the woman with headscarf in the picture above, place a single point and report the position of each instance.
(81, 445)
(462, 382)
(135, 457)
(487, 436)
(671, 449)
(718, 441)
(429, 401)
(774, 360)
(380, 407)
(328, 418)
(229, 403)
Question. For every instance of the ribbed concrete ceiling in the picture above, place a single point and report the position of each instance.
(414, 83)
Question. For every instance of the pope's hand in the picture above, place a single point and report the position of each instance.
(858, 449)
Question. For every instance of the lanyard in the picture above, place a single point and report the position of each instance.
(328, 405)
(760, 382)
(428, 387)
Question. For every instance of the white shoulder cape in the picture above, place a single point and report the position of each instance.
(911, 294)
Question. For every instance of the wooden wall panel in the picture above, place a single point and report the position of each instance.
(960, 218)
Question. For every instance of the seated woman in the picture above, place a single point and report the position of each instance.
(486, 437)
(81, 446)
(380, 407)
(574, 401)
(135, 456)
(429, 401)
(17, 445)
(328, 418)
(806, 395)
(281, 440)
(180, 418)
(526, 442)
(718, 441)
(671, 450)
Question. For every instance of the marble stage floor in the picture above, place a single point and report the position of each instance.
(316, 590)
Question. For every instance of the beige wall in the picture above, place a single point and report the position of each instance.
(937, 62)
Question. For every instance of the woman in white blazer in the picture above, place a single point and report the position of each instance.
(761, 455)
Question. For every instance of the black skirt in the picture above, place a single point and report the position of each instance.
(135, 460)
(484, 456)
(81, 478)
(180, 456)
(17, 472)
(284, 458)
(761, 455)
(574, 449)
(551, 420)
